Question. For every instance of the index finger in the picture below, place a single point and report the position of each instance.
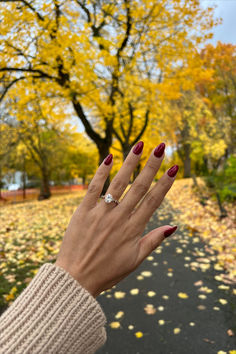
(96, 185)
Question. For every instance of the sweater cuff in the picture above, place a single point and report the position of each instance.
(53, 314)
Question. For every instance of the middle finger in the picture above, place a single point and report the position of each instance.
(122, 178)
(142, 183)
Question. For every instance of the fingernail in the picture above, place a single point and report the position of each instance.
(158, 152)
(138, 148)
(173, 170)
(170, 231)
(108, 159)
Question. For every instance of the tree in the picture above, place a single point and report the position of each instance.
(8, 142)
(219, 90)
(82, 51)
(193, 131)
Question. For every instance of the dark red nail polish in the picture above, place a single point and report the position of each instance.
(108, 159)
(170, 231)
(138, 148)
(173, 170)
(158, 152)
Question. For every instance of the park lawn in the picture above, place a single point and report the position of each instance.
(31, 234)
(219, 235)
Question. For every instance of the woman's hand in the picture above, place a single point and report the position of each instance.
(103, 243)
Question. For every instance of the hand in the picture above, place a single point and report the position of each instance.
(103, 243)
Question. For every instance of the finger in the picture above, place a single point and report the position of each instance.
(152, 240)
(142, 183)
(96, 185)
(122, 178)
(154, 197)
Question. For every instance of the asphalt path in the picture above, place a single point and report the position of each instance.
(172, 303)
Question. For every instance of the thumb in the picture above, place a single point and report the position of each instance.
(152, 240)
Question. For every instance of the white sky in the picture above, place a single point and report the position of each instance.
(226, 9)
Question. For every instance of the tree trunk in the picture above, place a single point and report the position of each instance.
(83, 180)
(24, 180)
(187, 161)
(45, 192)
(223, 212)
(195, 180)
(205, 166)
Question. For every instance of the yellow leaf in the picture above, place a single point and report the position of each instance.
(177, 330)
(183, 295)
(139, 334)
(119, 315)
(223, 301)
(151, 293)
(119, 294)
(146, 273)
(115, 325)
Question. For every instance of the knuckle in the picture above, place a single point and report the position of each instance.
(140, 188)
(93, 188)
(119, 184)
(152, 200)
(101, 173)
(152, 167)
(164, 184)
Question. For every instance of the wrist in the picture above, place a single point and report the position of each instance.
(82, 280)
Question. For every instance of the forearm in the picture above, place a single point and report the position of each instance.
(54, 314)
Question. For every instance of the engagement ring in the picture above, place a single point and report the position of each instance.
(108, 199)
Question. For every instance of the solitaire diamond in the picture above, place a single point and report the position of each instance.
(108, 198)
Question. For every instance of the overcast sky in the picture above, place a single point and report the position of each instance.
(226, 9)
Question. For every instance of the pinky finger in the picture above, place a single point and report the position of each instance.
(152, 240)
(96, 185)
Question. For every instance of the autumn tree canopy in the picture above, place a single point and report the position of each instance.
(93, 53)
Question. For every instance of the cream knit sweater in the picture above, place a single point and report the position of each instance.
(53, 314)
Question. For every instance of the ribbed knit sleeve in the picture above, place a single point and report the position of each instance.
(53, 314)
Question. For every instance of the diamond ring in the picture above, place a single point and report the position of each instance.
(108, 199)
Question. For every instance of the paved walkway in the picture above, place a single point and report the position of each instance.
(176, 308)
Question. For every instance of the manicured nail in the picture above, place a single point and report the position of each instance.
(173, 170)
(138, 148)
(158, 152)
(108, 159)
(170, 231)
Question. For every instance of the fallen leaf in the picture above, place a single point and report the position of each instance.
(119, 294)
(134, 291)
(209, 341)
(115, 325)
(146, 273)
(150, 309)
(223, 301)
(177, 330)
(198, 283)
(183, 295)
(230, 333)
(151, 293)
(139, 334)
(119, 315)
